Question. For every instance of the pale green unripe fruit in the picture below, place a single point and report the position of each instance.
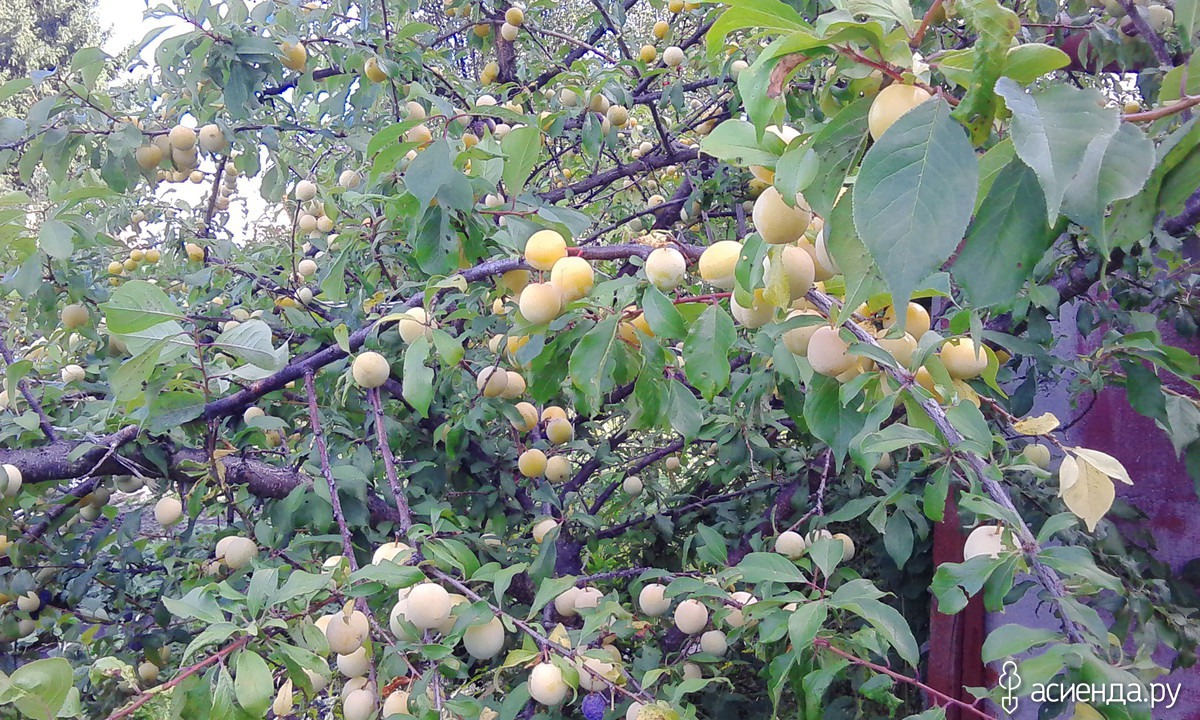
(847, 546)
(239, 552)
(588, 598)
(284, 702)
(359, 705)
(984, 540)
(714, 642)
(790, 544)
(212, 140)
(349, 179)
(484, 641)
(396, 552)
(347, 634)
(1037, 455)
(673, 56)
(29, 602)
(73, 373)
(355, 664)
(370, 370)
(306, 190)
(653, 600)
(587, 680)
(12, 485)
(558, 469)
(666, 268)
(306, 267)
(428, 606)
(396, 704)
(632, 486)
(148, 673)
(414, 324)
(736, 618)
(542, 529)
(691, 616)
(564, 604)
(492, 381)
(168, 511)
(691, 671)
(546, 684)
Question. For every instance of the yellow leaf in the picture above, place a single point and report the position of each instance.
(1091, 495)
(1040, 425)
(1105, 463)
(559, 636)
(1068, 473)
(966, 392)
(1083, 711)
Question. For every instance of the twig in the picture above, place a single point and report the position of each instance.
(43, 418)
(323, 452)
(389, 462)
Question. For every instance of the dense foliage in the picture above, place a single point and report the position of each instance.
(472, 361)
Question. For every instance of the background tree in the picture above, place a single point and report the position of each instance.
(570, 382)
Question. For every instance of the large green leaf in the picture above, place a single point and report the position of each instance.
(837, 145)
(418, 378)
(736, 142)
(592, 362)
(994, 26)
(45, 685)
(56, 239)
(1052, 131)
(250, 341)
(138, 305)
(914, 195)
(1112, 170)
(252, 683)
(1007, 238)
(521, 147)
(706, 351)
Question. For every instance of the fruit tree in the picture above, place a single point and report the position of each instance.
(608, 359)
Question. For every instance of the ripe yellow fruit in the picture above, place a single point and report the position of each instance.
(559, 431)
(153, 255)
(414, 324)
(295, 57)
(212, 140)
(714, 642)
(148, 156)
(890, 104)
(239, 552)
(483, 30)
(347, 633)
(529, 417)
(484, 641)
(1037, 455)
(758, 314)
(182, 138)
(147, 673)
(558, 469)
(514, 281)
(532, 463)
(73, 373)
(373, 71)
(799, 269)
(777, 223)
(546, 684)
(648, 53)
(74, 316)
(790, 544)
(736, 618)
(552, 412)
(661, 28)
(306, 267)
(428, 606)
(963, 359)
(828, 353)
(666, 268)
(359, 705)
(673, 56)
(306, 190)
(514, 16)
(115, 267)
(491, 381)
(194, 252)
(691, 616)
(168, 511)
(573, 276)
(370, 370)
(916, 322)
(544, 248)
(632, 486)
(542, 529)
(564, 604)
(901, 348)
(675, 6)
(515, 387)
(718, 263)
(984, 540)
(618, 115)
(653, 600)
(540, 303)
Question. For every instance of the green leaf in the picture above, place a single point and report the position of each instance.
(914, 196)
(592, 362)
(805, 622)
(888, 621)
(433, 174)
(706, 351)
(522, 146)
(45, 684)
(995, 26)
(173, 408)
(741, 14)
(252, 683)
(662, 315)
(837, 145)
(760, 567)
(1008, 641)
(1007, 238)
(1030, 61)
(736, 142)
(796, 169)
(1053, 131)
(136, 306)
(250, 341)
(418, 379)
(852, 258)
(897, 11)
(826, 417)
(1187, 12)
(898, 539)
(56, 239)
(1112, 170)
